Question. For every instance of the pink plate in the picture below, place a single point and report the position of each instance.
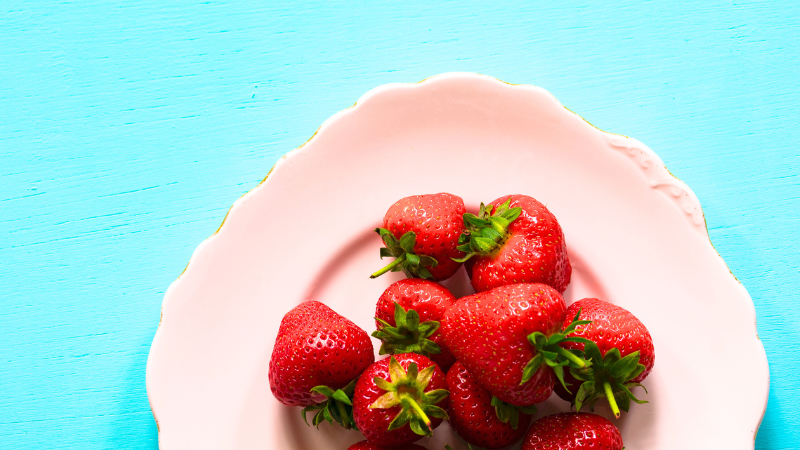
(636, 237)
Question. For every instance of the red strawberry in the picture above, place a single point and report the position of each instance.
(422, 233)
(476, 415)
(573, 431)
(621, 352)
(515, 239)
(317, 357)
(365, 445)
(508, 337)
(400, 399)
(408, 316)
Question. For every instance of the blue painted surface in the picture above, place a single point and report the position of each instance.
(127, 129)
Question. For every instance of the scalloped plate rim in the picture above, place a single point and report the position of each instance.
(329, 122)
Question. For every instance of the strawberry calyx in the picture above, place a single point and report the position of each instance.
(550, 352)
(486, 232)
(337, 406)
(408, 335)
(608, 377)
(508, 413)
(412, 264)
(407, 389)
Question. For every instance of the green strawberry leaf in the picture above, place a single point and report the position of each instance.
(407, 387)
(508, 413)
(413, 260)
(531, 368)
(435, 396)
(336, 408)
(486, 232)
(407, 241)
(399, 420)
(550, 353)
(608, 378)
(435, 411)
(408, 335)
(471, 219)
(625, 366)
(406, 260)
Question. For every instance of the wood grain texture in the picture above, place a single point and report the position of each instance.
(127, 129)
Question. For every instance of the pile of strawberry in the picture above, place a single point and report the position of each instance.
(483, 361)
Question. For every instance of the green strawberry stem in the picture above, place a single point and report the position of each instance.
(400, 260)
(577, 361)
(412, 264)
(610, 376)
(550, 352)
(611, 401)
(406, 388)
(406, 399)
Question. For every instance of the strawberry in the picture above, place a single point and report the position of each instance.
(508, 337)
(316, 359)
(573, 431)
(365, 445)
(421, 232)
(408, 315)
(478, 417)
(621, 352)
(514, 239)
(400, 399)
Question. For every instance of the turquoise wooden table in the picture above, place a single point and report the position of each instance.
(127, 129)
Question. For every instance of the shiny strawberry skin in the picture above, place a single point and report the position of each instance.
(316, 346)
(365, 445)
(437, 221)
(488, 332)
(534, 252)
(373, 422)
(472, 415)
(573, 431)
(429, 299)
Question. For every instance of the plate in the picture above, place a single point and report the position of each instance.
(636, 236)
